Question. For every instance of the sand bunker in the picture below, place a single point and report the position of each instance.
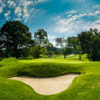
(48, 86)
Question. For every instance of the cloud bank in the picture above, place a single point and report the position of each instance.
(21, 9)
(75, 21)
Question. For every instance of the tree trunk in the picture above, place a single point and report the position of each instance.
(80, 56)
(15, 51)
(64, 56)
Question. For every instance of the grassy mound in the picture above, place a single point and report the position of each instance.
(13, 67)
(84, 87)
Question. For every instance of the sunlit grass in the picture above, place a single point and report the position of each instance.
(85, 87)
(60, 59)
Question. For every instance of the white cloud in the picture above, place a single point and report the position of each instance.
(97, 6)
(11, 3)
(97, 12)
(29, 12)
(41, 1)
(18, 19)
(52, 39)
(18, 11)
(93, 13)
(80, 0)
(26, 14)
(97, 21)
(0, 1)
(72, 12)
(70, 25)
(27, 3)
(1, 9)
(76, 1)
(26, 10)
(7, 15)
(23, 9)
(2, 5)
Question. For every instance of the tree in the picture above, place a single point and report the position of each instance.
(61, 42)
(35, 51)
(74, 43)
(90, 43)
(13, 36)
(41, 37)
(50, 48)
(43, 52)
(68, 51)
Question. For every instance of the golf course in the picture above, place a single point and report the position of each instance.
(85, 86)
(49, 49)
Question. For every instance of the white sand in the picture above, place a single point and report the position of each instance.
(48, 86)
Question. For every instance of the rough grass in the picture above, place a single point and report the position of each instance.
(84, 87)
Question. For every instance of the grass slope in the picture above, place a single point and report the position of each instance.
(84, 87)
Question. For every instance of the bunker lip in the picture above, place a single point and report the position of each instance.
(48, 86)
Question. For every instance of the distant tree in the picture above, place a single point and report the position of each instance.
(35, 51)
(61, 42)
(1, 45)
(68, 51)
(43, 52)
(90, 43)
(50, 48)
(13, 36)
(41, 37)
(24, 52)
(74, 43)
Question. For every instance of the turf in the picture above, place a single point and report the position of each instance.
(85, 87)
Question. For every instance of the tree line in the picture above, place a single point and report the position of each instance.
(87, 42)
(16, 41)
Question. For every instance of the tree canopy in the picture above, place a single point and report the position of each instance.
(41, 37)
(90, 43)
(13, 36)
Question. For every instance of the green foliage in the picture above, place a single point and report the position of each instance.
(74, 44)
(43, 52)
(50, 49)
(41, 37)
(10, 61)
(35, 51)
(61, 42)
(68, 51)
(24, 52)
(47, 69)
(90, 43)
(13, 36)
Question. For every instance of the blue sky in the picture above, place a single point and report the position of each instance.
(60, 18)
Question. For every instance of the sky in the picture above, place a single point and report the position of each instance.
(60, 18)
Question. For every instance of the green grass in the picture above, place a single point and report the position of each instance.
(85, 87)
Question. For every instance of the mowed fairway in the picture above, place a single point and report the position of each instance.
(84, 87)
